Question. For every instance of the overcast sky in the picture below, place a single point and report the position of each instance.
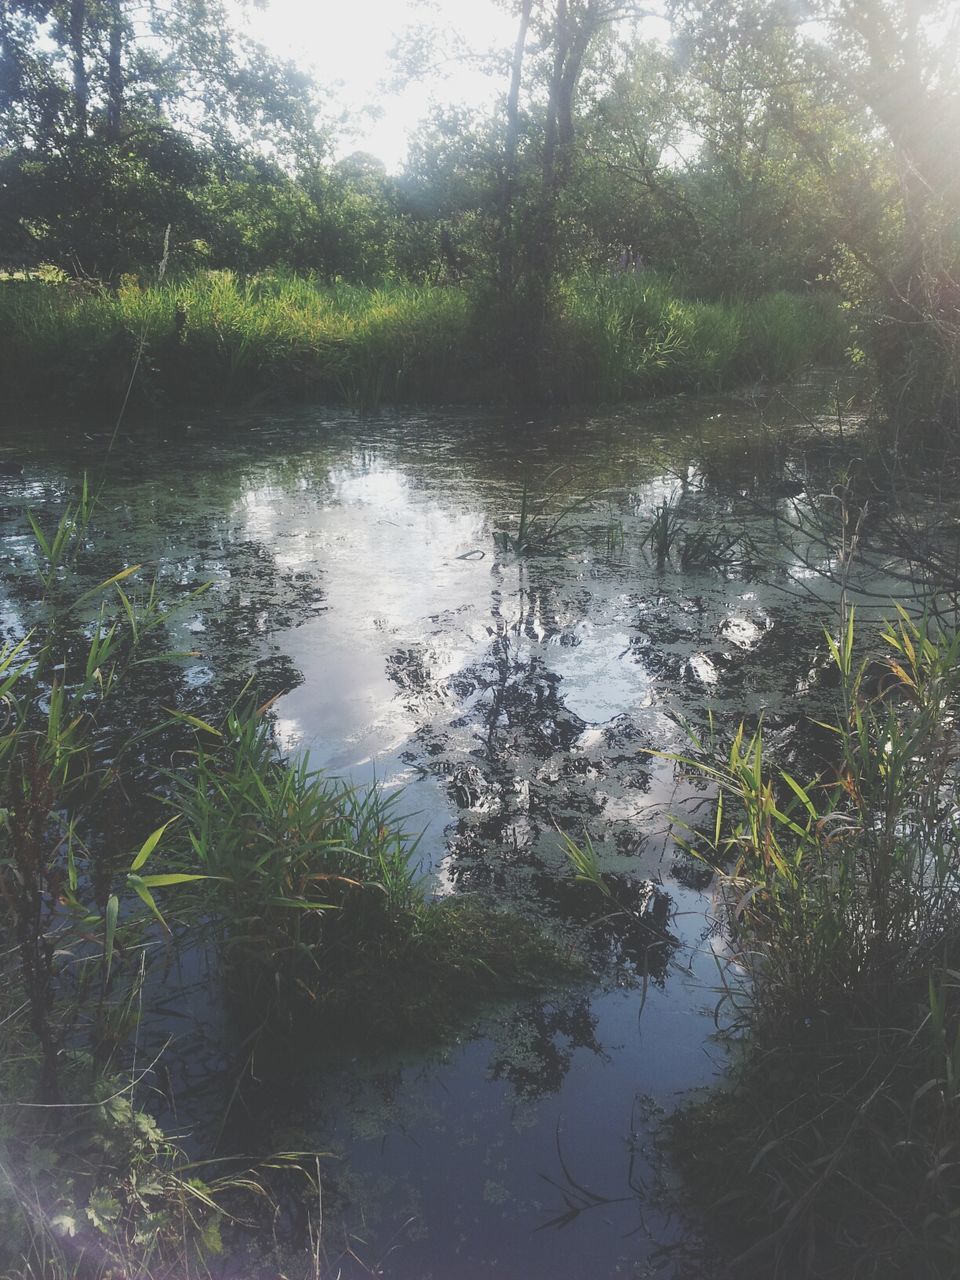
(346, 45)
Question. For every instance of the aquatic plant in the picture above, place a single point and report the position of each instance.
(58, 771)
(707, 549)
(838, 1125)
(540, 519)
(638, 910)
(665, 531)
(308, 885)
(86, 1177)
(286, 846)
(614, 537)
(626, 335)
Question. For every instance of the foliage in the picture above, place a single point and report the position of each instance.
(120, 120)
(540, 519)
(841, 898)
(665, 530)
(83, 1169)
(303, 865)
(320, 915)
(748, 159)
(634, 333)
(60, 762)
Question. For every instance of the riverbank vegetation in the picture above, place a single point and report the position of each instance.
(276, 336)
(180, 225)
(831, 1150)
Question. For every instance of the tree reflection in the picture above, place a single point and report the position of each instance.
(537, 1042)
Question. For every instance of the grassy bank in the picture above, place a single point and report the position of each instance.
(833, 1151)
(214, 337)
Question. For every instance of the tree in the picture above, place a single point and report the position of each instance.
(565, 32)
(897, 59)
(112, 107)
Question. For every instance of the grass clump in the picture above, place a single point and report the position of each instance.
(445, 962)
(88, 1182)
(665, 530)
(217, 337)
(541, 517)
(833, 1152)
(321, 918)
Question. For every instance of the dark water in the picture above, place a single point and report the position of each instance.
(355, 570)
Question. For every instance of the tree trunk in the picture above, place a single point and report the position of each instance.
(506, 244)
(81, 88)
(115, 72)
(574, 29)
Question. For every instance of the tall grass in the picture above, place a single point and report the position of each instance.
(632, 335)
(88, 1183)
(835, 1149)
(319, 913)
(541, 516)
(214, 336)
(303, 865)
(217, 336)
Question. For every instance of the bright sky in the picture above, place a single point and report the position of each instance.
(346, 44)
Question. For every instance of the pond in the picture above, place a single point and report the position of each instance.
(512, 683)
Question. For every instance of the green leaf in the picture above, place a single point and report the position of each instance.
(150, 844)
(143, 893)
(128, 610)
(110, 929)
(800, 793)
(210, 1236)
(41, 1159)
(107, 582)
(71, 865)
(302, 904)
(168, 655)
(194, 720)
(848, 650)
(39, 535)
(103, 1210)
(174, 877)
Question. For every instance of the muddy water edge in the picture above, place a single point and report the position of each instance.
(501, 619)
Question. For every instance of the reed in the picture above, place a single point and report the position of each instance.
(625, 336)
(830, 1148)
(303, 865)
(540, 520)
(666, 530)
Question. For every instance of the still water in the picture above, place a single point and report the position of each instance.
(367, 572)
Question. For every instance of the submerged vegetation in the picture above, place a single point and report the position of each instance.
(218, 337)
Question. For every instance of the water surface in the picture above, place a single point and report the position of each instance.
(357, 572)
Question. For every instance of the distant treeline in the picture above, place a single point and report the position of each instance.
(750, 152)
